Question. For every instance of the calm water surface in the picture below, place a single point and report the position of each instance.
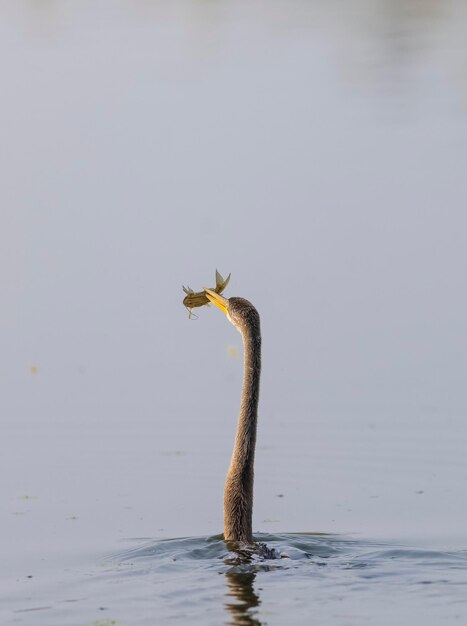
(318, 152)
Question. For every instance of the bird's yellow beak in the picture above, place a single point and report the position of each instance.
(217, 299)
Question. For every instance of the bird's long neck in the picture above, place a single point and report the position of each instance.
(238, 494)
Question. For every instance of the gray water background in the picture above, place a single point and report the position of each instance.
(318, 151)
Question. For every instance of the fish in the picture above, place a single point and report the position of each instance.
(194, 299)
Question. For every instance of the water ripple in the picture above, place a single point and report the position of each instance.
(306, 549)
(345, 579)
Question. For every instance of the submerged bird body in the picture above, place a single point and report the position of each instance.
(238, 493)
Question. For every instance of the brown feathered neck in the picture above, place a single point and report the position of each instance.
(238, 494)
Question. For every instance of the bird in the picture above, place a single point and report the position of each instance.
(238, 492)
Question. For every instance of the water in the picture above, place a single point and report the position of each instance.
(335, 579)
(89, 532)
(318, 152)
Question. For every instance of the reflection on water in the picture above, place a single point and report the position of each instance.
(241, 589)
(381, 43)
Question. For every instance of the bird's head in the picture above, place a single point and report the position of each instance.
(238, 310)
